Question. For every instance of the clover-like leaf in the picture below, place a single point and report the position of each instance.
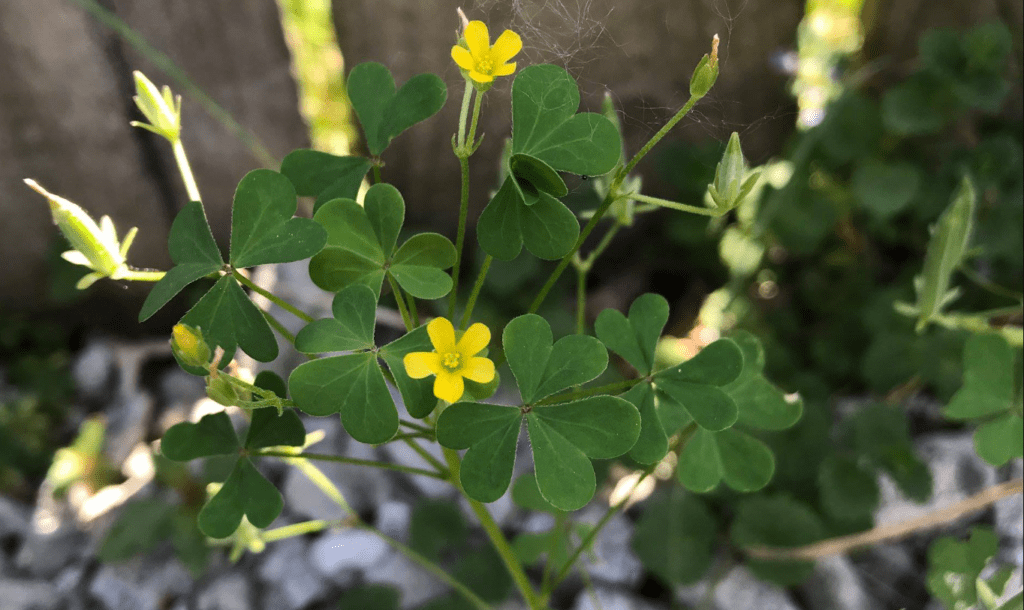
(323, 175)
(268, 429)
(436, 524)
(675, 537)
(761, 404)
(384, 112)
(263, 229)
(538, 220)
(229, 320)
(848, 489)
(991, 392)
(634, 338)
(698, 383)
(361, 247)
(352, 385)
(776, 521)
(652, 443)
(211, 435)
(526, 494)
(954, 567)
(542, 368)
(417, 394)
(743, 462)
(351, 328)
(245, 492)
(194, 253)
(489, 432)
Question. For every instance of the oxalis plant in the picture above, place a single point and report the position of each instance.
(696, 414)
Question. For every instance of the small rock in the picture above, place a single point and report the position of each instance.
(1009, 520)
(836, 585)
(609, 598)
(615, 561)
(338, 554)
(741, 589)
(393, 519)
(416, 584)
(128, 423)
(93, 370)
(892, 575)
(288, 575)
(13, 519)
(69, 579)
(229, 592)
(116, 593)
(401, 453)
(45, 553)
(18, 594)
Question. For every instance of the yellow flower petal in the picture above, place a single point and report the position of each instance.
(480, 370)
(421, 364)
(480, 77)
(475, 339)
(506, 47)
(463, 58)
(442, 335)
(505, 70)
(448, 386)
(477, 38)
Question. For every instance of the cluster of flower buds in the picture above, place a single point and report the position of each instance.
(161, 109)
(732, 184)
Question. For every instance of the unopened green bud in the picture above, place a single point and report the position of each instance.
(188, 345)
(706, 72)
(161, 108)
(731, 183)
(221, 391)
(94, 246)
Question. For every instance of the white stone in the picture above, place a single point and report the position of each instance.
(92, 369)
(115, 593)
(416, 584)
(393, 519)
(292, 582)
(18, 594)
(837, 585)
(347, 550)
(741, 589)
(229, 592)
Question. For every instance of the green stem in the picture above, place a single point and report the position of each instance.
(581, 299)
(414, 312)
(602, 245)
(985, 284)
(143, 275)
(611, 388)
(471, 304)
(471, 140)
(683, 207)
(423, 453)
(191, 188)
(376, 174)
(436, 474)
(417, 427)
(497, 538)
(464, 114)
(400, 300)
(276, 324)
(460, 237)
(285, 305)
(298, 529)
(331, 490)
(657, 138)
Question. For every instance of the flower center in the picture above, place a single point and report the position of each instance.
(452, 361)
(485, 66)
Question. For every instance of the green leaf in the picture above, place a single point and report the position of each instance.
(499, 228)
(268, 429)
(484, 573)
(351, 328)
(370, 597)
(1000, 440)
(697, 384)
(537, 175)
(564, 436)
(776, 521)
(848, 490)
(269, 380)
(211, 435)
(527, 494)
(352, 254)
(652, 443)
(919, 105)
(761, 404)
(700, 467)
(263, 229)
(436, 524)
(385, 211)
(383, 112)
(634, 338)
(229, 320)
(418, 265)
(885, 189)
(323, 175)
(747, 463)
(549, 228)
(675, 537)
(490, 433)
(417, 394)
(881, 433)
(140, 526)
(540, 368)
(194, 253)
(245, 492)
(988, 379)
(545, 124)
(352, 385)
(953, 567)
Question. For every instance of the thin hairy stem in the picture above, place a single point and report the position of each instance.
(471, 304)
(191, 188)
(285, 305)
(435, 474)
(400, 300)
(682, 207)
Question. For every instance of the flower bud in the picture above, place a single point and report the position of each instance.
(188, 345)
(706, 72)
(221, 391)
(729, 187)
(161, 109)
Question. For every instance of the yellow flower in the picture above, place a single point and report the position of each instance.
(451, 361)
(482, 61)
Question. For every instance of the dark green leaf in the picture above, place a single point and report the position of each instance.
(484, 573)
(245, 492)
(499, 229)
(229, 319)
(696, 384)
(436, 524)
(194, 253)
(537, 175)
(418, 265)
(526, 494)
(549, 228)
(747, 463)
(988, 379)
(140, 526)
(263, 229)
(776, 521)
(675, 537)
(385, 210)
(352, 385)
(700, 467)
(652, 444)
(323, 175)
(212, 435)
(490, 433)
(1000, 440)
(761, 404)
(352, 254)
(540, 368)
(351, 328)
(383, 112)
(953, 567)
(848, 490)
(269, 380)
(268, 429)
(634, 338)
(885, 189)
(370, 597)
(418, 394)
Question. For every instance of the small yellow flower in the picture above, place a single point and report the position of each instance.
(451, 361)
(482, 61)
